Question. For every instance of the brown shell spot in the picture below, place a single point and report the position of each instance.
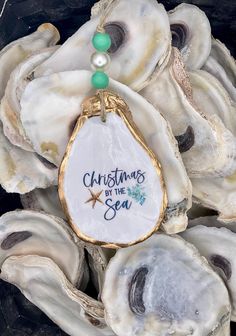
(14, 239)
(180, 35)
(137, 285)
(186, 140)
(117, 32)
(222, 263)
(95, 322)
(50, 148)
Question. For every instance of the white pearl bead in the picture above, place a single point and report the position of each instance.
(100, 61)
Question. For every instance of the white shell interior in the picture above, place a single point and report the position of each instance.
(198, 46)
(212, 241)
(48, 236)
(110, 151)
(180, 294)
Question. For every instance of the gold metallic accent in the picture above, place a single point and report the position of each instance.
(94, 198)
(103, 107)
(91, 107)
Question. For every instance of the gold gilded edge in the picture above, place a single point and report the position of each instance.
(91, 108)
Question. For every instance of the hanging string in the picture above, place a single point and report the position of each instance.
(105, 11)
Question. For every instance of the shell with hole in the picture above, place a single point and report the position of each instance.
(50, 129)
(45, 285)
(163, 286)
(207, 147)
(218, 246)
(46, 35)
(134, 60)
(191, 34)
(29, 232)
(10, 105)
(22, 171)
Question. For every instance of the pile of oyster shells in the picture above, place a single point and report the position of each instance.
(181, 281)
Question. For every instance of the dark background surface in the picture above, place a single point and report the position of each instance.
(18, 316)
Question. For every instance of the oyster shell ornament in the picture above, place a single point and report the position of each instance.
(110, 182)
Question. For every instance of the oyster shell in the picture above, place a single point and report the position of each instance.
(212, 98)
(214, 68)
(121, 198)
(97, 261)
(207, 147)
(222, 55)
(49, 131)
(29, 232)
(163, 286)
(22, 171)
(222, 65)
(15, 52)
(191, 34)
(10, 105)
(46, 200)
(45, 285)
(218, 245)
(134, 60)
(218, 194)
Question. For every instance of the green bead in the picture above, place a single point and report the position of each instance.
(101, 41)
(100, 80)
